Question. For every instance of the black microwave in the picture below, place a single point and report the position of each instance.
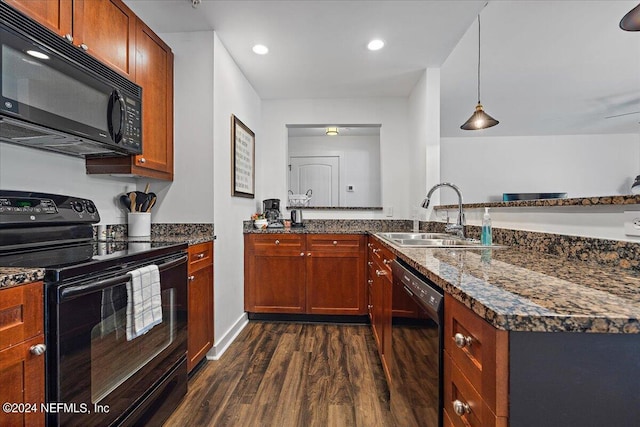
(54, 96)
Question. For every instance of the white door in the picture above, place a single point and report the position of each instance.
(321, 175)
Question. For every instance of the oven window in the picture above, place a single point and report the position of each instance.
(113, 358)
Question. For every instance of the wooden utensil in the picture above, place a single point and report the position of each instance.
(132, 198)
(151, 203)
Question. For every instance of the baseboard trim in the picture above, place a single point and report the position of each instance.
(227, 339)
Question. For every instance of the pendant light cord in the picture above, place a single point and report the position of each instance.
(478, 58)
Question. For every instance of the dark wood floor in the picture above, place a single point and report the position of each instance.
(295, 374)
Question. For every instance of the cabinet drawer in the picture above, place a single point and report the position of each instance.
(277, 243)
(335, 242)
(21, 313)
(458, 389)
(377, 252)
(200, 256)
(482, 357)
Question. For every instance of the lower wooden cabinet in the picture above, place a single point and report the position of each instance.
(476, 369)
(305, 274)
(200, 290)
(21, 353)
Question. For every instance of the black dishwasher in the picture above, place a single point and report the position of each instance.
(417, 343)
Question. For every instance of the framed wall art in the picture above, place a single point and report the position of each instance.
(242, 159)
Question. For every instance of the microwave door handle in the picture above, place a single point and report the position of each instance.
(116, 98)
(75, 291)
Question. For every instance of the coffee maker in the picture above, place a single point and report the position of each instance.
(271, 209)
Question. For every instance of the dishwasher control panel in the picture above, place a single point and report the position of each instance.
(422, 291)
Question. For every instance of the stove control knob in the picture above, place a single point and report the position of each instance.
(91, 208)
(38, 349)
(77, 206)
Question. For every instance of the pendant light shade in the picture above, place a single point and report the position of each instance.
(631, 21)
(479, 119)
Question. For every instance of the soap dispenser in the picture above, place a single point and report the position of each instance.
(486, 236)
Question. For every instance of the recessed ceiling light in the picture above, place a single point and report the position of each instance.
(260, 49)
(37, 54)
(376, 44)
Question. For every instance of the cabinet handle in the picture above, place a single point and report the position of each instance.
(191, 278)
(200, 256)
(308, 253)
(83, 47)
(277, 242)
(461, 340)
(38, 349)
(370, 281)
(369, 263)
(370, 306)
(68, 37)
(142, 160)
(461, 408)
(376, 250)
(335, 242)
(380, 273)
(301, 253)
(369, 245)
(386, 261)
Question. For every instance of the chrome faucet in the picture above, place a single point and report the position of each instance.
(458, 228)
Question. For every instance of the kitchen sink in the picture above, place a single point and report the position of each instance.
(429, 240)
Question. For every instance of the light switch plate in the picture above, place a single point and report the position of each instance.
(632, 223)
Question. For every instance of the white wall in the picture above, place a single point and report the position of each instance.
(392, 113)
(359, 164)
(233, 95)
(580, 165)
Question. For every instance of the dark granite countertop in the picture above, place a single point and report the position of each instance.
(14, 276)
(630, 199)
(520, 290)
(335, 226)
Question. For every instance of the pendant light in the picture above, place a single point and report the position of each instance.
(479, 119)
(631, 21)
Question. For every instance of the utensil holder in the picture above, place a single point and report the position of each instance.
(139, 224)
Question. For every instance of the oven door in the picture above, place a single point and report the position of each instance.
(96, 375)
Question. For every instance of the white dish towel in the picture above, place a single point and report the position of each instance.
(144, 305)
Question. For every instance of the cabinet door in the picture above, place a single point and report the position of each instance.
(154, 72)
(274, 274)
(200, 315)
(336, 274)
(54, 14)
(22, 379)
(107, 28)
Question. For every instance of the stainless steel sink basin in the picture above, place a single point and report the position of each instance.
(428, 240)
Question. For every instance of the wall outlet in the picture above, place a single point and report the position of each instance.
(632, 223)
(350, 188)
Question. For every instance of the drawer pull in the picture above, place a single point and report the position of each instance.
(380, 273)
(376, 250)
(277, 242)
(335, 242)
(461, 408)
(386, 261)
(38, 349)
(370, 306)
(462, 341)
(369, 245)
(308, 253)
(191, 278)
(370, 263)
(200, 256)
(301, 253)
(370, 281)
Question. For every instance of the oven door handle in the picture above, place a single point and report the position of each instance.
(75, 291)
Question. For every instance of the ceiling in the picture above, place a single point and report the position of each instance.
(548, 67)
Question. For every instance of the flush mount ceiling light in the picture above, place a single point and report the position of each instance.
(376, 44)
(631, 21)
(260, 49)
(331, 131)
(479, 119)
(37, 54)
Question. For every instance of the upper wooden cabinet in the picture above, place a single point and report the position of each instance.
(105, 29)
(154, 72)
(54, 14)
